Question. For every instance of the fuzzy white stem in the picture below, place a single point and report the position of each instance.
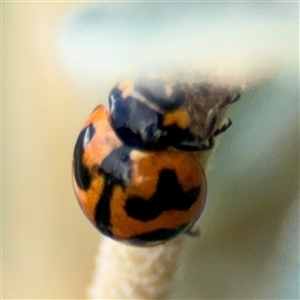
(127, 272)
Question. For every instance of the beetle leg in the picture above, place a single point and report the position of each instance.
(212, 116)
(223, 128)
(193, 231)
(228, 100)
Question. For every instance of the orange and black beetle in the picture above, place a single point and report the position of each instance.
(132, 173)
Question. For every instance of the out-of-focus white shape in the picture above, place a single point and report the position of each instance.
(241, 43)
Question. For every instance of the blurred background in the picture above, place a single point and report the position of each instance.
(61, 59)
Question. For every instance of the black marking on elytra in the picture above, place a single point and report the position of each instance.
(162, 234)
(81, 172)
(169, 195)
(154, 91)
(116, 169)
(118, 166)
(141, 127)
(102, 211)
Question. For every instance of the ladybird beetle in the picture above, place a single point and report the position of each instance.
(132, 173)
